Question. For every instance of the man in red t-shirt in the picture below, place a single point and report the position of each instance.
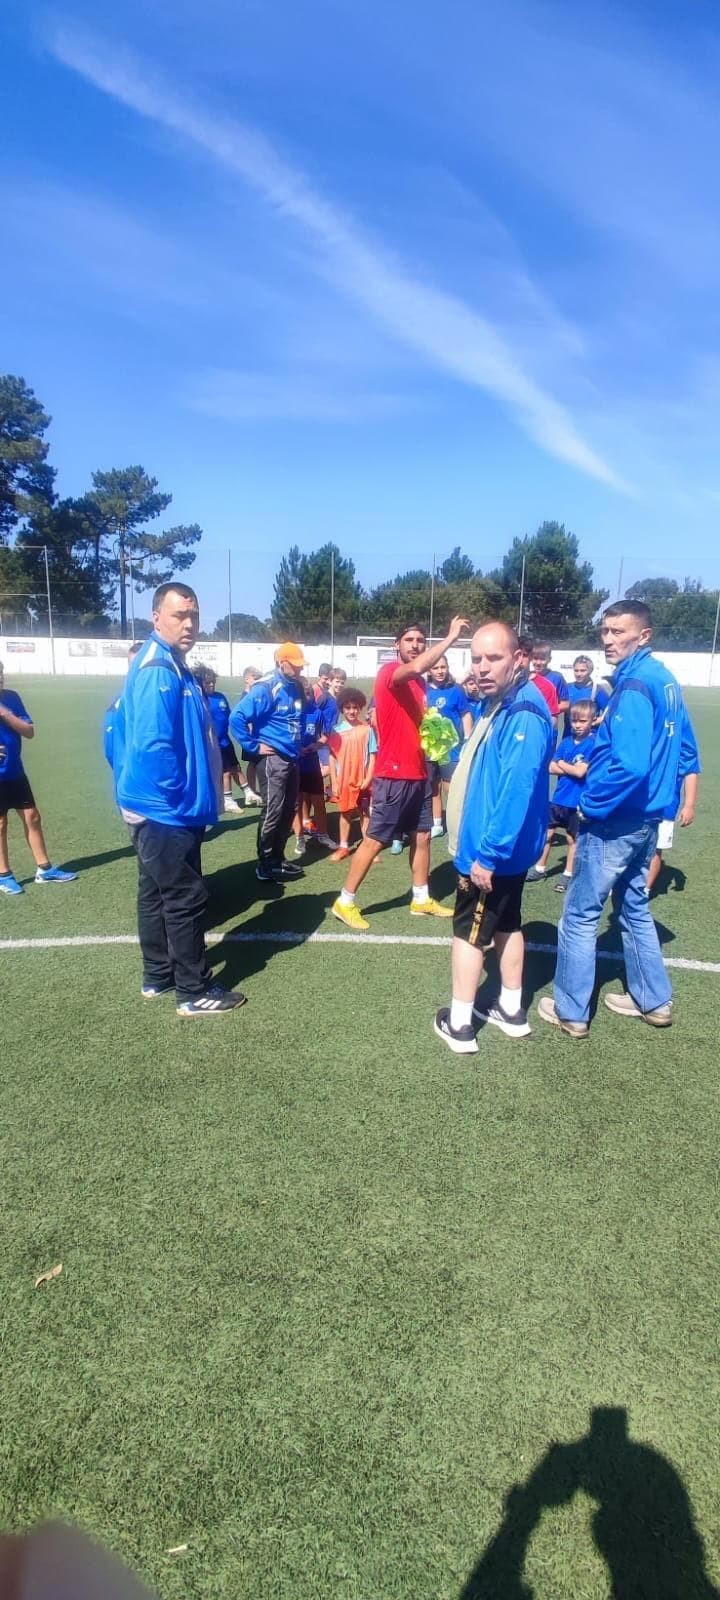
(402, 787)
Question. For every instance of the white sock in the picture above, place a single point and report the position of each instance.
(346, 899)
(510, 1000)
(538, 868)
(420, 894)
(461, 1014)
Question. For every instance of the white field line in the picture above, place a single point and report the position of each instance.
(81, 940)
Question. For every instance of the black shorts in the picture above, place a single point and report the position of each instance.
(229, 758)
(15, 795)
(565, 817)
(247, 757)
(311, 778)
(479, 916)
(400, 805)
(442, 771)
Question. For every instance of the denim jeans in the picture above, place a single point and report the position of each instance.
(611, 859)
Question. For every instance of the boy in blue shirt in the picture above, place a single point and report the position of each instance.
(16, 794)
(219, 708)
(583, 688)
(318, 722)
(569, 765)
(444, 695)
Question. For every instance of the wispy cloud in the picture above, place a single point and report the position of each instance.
(448, 332)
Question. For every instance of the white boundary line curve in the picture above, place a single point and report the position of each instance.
(279, 936)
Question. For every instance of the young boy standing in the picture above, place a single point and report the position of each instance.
(569, 765)
(353, 748)
(583, 688)
(444, 695)
(16, 794)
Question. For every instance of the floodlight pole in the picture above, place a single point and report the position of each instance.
(332, 608)
(432, 598)
(715, 639)
(230, 606)
(522, 595)
(132, 600)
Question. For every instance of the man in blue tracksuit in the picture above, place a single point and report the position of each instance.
(631, 782)
(166, 765)
(497, 818)
(269, 723)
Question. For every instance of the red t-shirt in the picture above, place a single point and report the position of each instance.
(399, 709)
(548, 692)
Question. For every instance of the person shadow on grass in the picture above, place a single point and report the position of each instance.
(643, 1526)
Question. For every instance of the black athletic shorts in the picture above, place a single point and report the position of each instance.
(442, 771)
(479, 916)
(15, 795)
(311, 778)
(247, 757)
(565, 817)
(400, 805)
(229, 758)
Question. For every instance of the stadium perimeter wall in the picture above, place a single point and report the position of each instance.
(89, 658)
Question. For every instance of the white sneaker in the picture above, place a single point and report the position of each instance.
(250, 796)
(300, 847)
(437, 830)
(230, 805)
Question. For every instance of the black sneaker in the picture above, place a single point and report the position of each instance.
(515, 1026)
(286, 872)
(216, 1002)
(563, 883)
(536, 875)
(264, 874)
(461, 1040)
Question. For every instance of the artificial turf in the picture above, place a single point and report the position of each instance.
(329, 1293)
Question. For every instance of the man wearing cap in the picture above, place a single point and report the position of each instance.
(268, 723)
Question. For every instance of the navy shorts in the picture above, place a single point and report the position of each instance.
(479, 916)
(564, 817)
(16, 795)
(442, 771)
(400, 805)
(311, 778)
(229, 758)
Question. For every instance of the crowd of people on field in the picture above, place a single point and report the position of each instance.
(621, 750)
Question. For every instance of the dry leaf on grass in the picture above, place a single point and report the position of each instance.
(46, 1277)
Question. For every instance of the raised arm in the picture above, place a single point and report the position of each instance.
(422, 664)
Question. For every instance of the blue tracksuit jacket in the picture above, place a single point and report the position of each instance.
(163, 746)
(273, 713)
(505, 815)
(634, 767)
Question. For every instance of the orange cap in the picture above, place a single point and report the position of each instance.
(292, 653)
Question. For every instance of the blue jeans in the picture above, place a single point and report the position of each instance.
(610, 859)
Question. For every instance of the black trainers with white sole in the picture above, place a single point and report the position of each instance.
(286, 872)
(461, 1040)
(516, 1026)
(216, 1002)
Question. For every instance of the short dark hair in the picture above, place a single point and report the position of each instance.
(350, 694)
(172, 588)
(587, 659)
(136, 645)
(338, 672)
(542, 644)
(410, 627)
(525, 643)
(630, 608)
(324, 668)
(200, 676)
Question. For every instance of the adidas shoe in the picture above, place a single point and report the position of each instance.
(516, 1026)
(216, 1002)
(10, 885)
(54, 875)
(460, 1040)
(152, 991)
(229, 804)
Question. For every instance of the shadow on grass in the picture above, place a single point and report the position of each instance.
(250, 946)
(102, 859)
(669, 877)
(540, 964)
(643, 1526)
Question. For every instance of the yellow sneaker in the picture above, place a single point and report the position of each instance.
(429, 908)
(350, 915)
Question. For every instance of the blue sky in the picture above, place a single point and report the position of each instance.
(402, 276)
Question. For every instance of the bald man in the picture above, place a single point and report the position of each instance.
(497, 816)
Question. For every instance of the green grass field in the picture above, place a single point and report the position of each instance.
(328, 1292)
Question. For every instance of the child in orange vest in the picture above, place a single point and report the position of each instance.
(353, 747)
